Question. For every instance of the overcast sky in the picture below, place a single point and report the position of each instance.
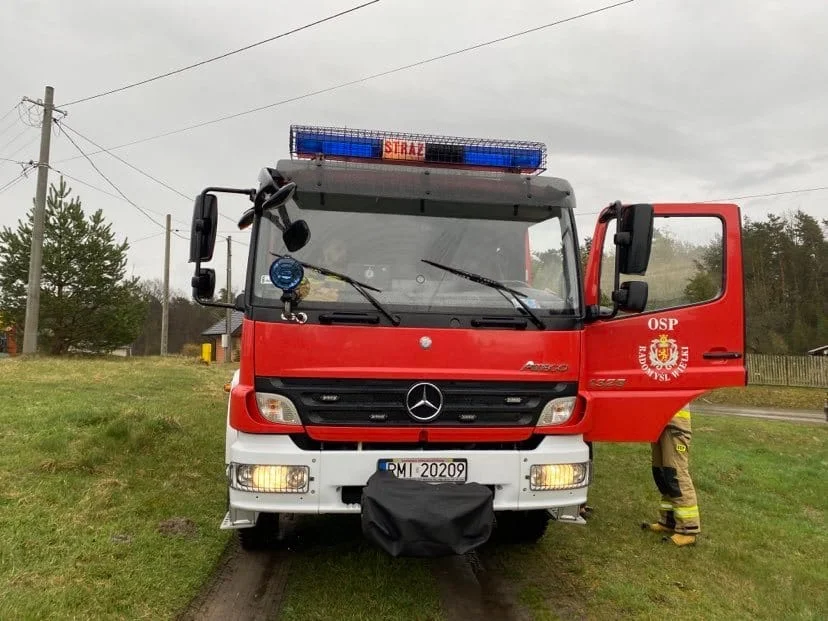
(657, 100)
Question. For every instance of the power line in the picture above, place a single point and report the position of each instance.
(154, 235)
(737, 198)
(9, 184)
(221, 56)
(139, 170)
(8, 127)
(20, 148)
(12, 109)
(116, 188)
(107, 192)
(23, 173)
(123, 161)
(25, 129)
(363, 79)
(769, 194)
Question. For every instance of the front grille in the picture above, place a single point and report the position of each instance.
(382, 402)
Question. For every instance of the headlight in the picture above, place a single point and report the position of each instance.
(280, 479)
(557, 476)
(557, 412)
(277, 408)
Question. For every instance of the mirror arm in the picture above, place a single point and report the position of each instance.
(216, 304)
(251, 193)
(610, 211)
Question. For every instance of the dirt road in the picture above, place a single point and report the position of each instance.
(249, 586)
(794, 416)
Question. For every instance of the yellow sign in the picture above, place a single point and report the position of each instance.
(206, 352)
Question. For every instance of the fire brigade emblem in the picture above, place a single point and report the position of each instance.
(664, 353)
(663, 359)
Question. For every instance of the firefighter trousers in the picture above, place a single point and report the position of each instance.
(679, 507)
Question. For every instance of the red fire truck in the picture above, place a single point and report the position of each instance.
(420, 345)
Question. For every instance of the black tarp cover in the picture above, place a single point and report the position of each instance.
(413, 518)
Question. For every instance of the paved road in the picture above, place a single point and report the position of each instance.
(797, 416)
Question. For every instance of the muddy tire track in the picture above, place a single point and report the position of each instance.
(247, 586)
(470, 587)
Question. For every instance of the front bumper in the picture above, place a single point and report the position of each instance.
(505, 472)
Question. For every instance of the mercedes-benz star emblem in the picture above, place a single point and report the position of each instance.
(424, 402)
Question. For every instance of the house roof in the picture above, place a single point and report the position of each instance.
(220, 327)
(816, 351)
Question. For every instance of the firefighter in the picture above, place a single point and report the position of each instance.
(318, 288)
(679, 515)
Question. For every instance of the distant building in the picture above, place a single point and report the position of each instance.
(819, 351)
(218, 330)
(8, 340)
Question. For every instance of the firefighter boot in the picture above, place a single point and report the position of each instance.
(656, 527)
(681, 539)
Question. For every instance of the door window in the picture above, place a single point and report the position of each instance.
(685, 263)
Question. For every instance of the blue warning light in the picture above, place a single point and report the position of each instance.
(286, 273)
(417, 149)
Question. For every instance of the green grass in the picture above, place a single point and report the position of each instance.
(96, 455)
(762, 494)
(784, 397)
(339, 571)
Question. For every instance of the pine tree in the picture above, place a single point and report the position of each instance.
(85, 300)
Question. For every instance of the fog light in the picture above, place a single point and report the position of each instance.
(278, 479)
(544, 477)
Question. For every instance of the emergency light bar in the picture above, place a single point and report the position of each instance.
(416, 149)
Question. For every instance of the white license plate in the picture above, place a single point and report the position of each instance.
(446, 470)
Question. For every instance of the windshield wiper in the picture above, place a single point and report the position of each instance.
(499, 287)
(359, 286)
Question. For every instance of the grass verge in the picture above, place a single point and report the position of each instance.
(761, 488)
(111, 489)
(111, 486)
(782, 397)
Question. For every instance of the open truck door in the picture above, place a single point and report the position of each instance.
(670, 333)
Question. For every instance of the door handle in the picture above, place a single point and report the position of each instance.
(721, 355)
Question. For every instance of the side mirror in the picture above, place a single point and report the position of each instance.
(634, 238)
(631, 297)
(203, 229)
(246, 219)
(239, 302)
(204, 284)
(280, 197)
(296, 236)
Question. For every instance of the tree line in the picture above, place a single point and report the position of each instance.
(88, 303)
(786, 282)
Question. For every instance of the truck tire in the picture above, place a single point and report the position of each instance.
(261, 536)
(521, 526)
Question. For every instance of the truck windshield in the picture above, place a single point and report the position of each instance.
(384, 249)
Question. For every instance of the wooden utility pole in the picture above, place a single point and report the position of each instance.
(36, 256)
(228, 349)
(165, 301)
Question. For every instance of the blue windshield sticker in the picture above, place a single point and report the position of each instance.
(530, 302)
